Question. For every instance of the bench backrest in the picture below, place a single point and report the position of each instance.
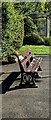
(27, 62)
(26, 52)
(27, 59)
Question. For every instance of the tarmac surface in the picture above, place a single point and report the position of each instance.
(25, 102)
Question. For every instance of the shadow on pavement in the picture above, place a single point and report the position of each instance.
(4, 86)
(28, 86)
(6, 62)
(23, 86)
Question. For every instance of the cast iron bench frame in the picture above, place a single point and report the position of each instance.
(29, 67)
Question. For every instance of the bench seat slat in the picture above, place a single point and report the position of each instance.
(33, 66)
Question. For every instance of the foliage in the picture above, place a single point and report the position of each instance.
(34, 10)
(47, 41)
(27, 7)
(12, 28)
(33, 39)
(29, 26)
(0, 52)
(49, 10)
(18, 23)
(43, 4)
(41, 25)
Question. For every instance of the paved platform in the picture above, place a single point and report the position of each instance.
(25, 102)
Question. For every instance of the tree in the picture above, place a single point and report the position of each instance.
(29, 26)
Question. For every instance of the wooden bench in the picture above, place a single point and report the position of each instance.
(29, 67)
(28, 52)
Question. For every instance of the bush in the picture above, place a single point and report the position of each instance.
(12, 28)
(33, 39)
(47, 41)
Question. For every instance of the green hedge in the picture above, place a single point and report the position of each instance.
(12, 28)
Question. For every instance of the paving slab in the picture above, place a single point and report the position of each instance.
(25, 102)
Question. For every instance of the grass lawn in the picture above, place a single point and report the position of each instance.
(37, 50)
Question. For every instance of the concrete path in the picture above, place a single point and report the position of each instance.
(26, 102)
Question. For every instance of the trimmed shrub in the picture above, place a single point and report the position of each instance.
(12, 28)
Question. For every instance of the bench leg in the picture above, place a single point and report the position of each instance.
(34, 84)
(36, 75)
(33, 79)
(26, 79)
(21, 79)
(39, 68)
